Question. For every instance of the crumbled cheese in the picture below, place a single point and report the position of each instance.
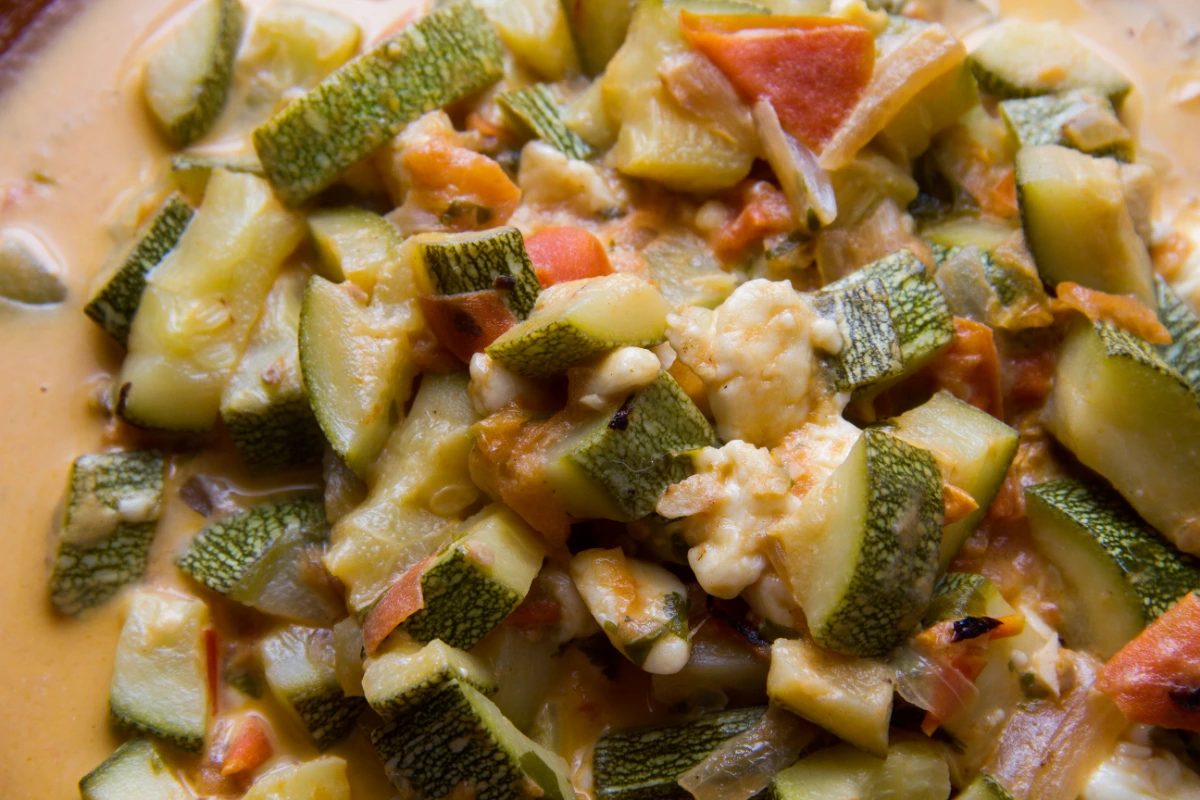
(546, 176)
(613, 377)
(1042, 661)
(814, 451)
(666, 355)
(575, 621)
(756, 354)
(1139, 772)
(736, 495)
(139, 506)
(492, 387)
(770, 597)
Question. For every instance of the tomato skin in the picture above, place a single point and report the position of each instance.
(1155, 679)
(467, 323)
(561, 254)
(764, 212)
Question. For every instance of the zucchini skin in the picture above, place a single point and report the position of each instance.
(445, 56)
(1183, 353)
(533, 108)
(135, 769)
(298, 664)
(871, 350)
(476, 261)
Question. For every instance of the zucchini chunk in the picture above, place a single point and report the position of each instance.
(537, 33)
(442, 57)
(912, 769)
(870, 351)
(27, 274)
(264, 406)
(458, 738)
(264, 558)
(580, 319)
(190, 172)
(1077, 223)
(298, 663)
(985, 787)
(478, 580)
(160, 676)
(201, 303)
(1026, 59)
(1120, 575)
(935, 108)
(964, 594)
(188, 78)
(973, 449)
(533, 110)
(618, 465)
(685, 271)
(1183, 353)
(323, 778)
(1128, 415)
(354, 245)
(401, 681)
(458, 263)
(850, 697)
(135, 770)
(1080, 119)
(114, 501)
(862, 550)
(118, 292)
(645, 763)
(598, 28)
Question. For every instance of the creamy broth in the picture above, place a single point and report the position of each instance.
(75, 117)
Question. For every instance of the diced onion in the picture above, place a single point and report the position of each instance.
(698, 86)
(806, 186)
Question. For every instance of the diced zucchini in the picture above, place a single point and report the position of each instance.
(617, 466)
(587, 116)
(422, 485)
(458, 263)
(534, 109)
(402, 680)
(114, 501)
(599, 28)
(862, 550)
(965, 594)
(322, 778)
(870, 351)
(478, 580)
(160, 675)
(1119, 574)
(984, 787)
(298, 663)
(118, 292)
(136, 771)
(537, 33)
(973, 449)
(188, 78)
(264, 406)
(686, 272)
(1077, 224)
(27, 274)
(914, 770)
(849, 696)
(1132, 418)
(458, 740)
(200, 304)
(443, 57)
(645, 763)
(935, 108)
(919, 312)
(357, 367)
(576, 320)
(265, 558)
(986, 233)
(1183, 353)
(1026, 59)
(1080, 118)
(354, 245)
(190, 172)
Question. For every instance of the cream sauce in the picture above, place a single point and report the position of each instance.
(75, 117)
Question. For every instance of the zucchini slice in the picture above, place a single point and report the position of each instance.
(1027, 59)
(973, 449)
(443, 57)
(190, 171)
(160, 675)
(1080, 119)
(135, 770)
(478, 580)
(458, 738)
(580, 319)
(1183, 353)
(263, 557)
(401, 681)
(850, 697)
(458, 263)
(537, 33)
(188, 78)
(323, 778)
(114, 501)
(645, 763)
(1128, 415)
(354, 245)
(533, 109)
(27, 274)
(298, 663)
(264, 406)
(118, 291)
(1120, 575)
(985, 787)
(1077, 223)
(935, 108)
(862, 550)
(870, 351)
(201, 303)
(599, 28)
(912, 769)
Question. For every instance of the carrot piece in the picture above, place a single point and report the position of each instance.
(813, 70)
(1155, 679)
(1124, 312)
(467, 190)
(958, 503)
(561, 254)
(398, 603)
(249, 745)
(970, 368)
(765, 212)
(467, 323)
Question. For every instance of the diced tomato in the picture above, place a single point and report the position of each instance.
(467, 190)
(561, 254)
(1124, 312)
(970, 368)
(765, 212)
(813, 70)
(398, 603)
(1155, 679)
(466, 324)
(249, 745)
(1031, 377)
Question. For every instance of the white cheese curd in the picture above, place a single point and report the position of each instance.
(757, 355)
(815, 450)
(613, 377)
(1137, 771)
(770, 597)
(492, 387)
(546, 176)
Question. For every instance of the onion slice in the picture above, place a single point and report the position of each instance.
(805, 184)
(697, 85)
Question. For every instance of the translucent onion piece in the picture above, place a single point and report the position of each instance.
(806, 186)
(960, 16)
(745, 765)
(698, 86)
(938, 688)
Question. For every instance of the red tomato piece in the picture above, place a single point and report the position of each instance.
(561, 254)
(398, 603)
(466, 324)
(249, 746)
(765, 211)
